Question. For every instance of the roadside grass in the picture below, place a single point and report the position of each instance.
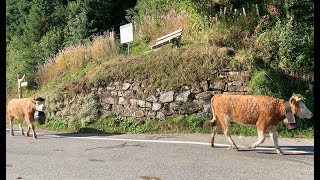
(177, 125)
(304, 131)
(180, 124)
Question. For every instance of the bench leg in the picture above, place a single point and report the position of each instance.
(179, 42)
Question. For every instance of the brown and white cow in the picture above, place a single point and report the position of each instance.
(261, 111)
(24, 109)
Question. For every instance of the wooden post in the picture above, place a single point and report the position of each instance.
(244, 11)
(20, 80)
(113, 35)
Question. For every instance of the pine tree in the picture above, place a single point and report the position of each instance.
(76, 29)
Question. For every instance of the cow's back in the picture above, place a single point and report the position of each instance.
(246, 109)
(20, 107)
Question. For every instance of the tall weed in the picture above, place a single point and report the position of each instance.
(76, 58)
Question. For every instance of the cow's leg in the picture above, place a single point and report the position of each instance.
(28, 130)
(214, 132)
(274, 136)
(21, 128)
(226, 132)
(32, 127)
(214, 125)
(11, 125)
(233, 145)
(261, 138)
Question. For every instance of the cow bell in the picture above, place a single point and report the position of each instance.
(292, 125)
(40, 117)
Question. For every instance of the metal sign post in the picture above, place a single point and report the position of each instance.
(126, 34)
(21, 83)
(128, 48)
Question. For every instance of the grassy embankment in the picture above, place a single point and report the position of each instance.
(102, 60)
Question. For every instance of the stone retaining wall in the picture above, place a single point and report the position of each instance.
(130, 99)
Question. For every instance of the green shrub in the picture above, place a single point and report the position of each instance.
(310, 101)
(233, 32)
(57, 125)
(270, 83)
(289, 47)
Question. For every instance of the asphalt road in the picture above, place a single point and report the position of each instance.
(153, 157)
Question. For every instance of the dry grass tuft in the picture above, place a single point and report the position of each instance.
(101, 47)
(76, 58)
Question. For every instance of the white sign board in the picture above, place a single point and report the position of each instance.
(25, 83)
(126, 33)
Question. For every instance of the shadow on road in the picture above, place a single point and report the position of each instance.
(287, 150)
(83, 132)
(92, 131)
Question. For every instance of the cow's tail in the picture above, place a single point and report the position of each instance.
(213, 122)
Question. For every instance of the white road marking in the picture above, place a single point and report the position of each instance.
(171, 142)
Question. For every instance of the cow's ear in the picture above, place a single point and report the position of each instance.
(293, 101)
(34, 99)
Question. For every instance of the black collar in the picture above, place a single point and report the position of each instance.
(289, 115)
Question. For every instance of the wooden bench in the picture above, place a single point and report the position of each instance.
(174, 37)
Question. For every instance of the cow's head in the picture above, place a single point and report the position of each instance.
(296, 109)
(40, 104)
(299, 108)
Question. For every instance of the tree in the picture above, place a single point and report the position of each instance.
(76, 29)
(16, 13)
(51, 42)
(43, 16)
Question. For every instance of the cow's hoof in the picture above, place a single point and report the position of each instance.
(22, 134)
(212, 146)
(280, 152)
(28, 134)
(35, 137)
(11, 134)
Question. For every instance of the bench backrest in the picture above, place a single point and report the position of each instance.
(168, 37)
(173, 34)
